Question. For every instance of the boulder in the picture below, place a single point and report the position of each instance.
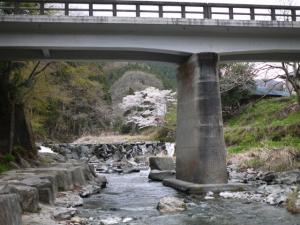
(10, 209)
(29, 197)
(64, 213)
(48, 157)
(89, 190)
(78, 176)
(69, 199)
(288, 177)
(45, 188)
(171, 205)
(161, 163)
(132, 170)
(101, 181)
(160, 175)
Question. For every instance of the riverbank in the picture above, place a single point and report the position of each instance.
(70, 190)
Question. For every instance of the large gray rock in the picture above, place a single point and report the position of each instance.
(101, 181)
(28, 196)
(78, 176)
(161, 163)
(51, 157)
(89, 190)
(45, 188)
(287, 177)
(171, 204)
(10, 209)
(64, 213)
(160, 175)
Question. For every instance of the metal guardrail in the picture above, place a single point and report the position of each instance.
(125, 8)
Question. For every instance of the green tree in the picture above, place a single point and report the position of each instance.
(14, 86)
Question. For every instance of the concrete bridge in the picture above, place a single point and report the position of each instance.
(194, 35)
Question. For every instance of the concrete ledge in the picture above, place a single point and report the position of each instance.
(160, 175)
(192, 188)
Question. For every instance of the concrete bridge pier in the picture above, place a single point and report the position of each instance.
(200, 148)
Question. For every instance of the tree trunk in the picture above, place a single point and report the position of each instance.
(23, 132)
(15, 129)
(5, 112)
(12, 125)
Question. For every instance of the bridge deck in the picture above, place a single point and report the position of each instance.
(60, 29)
(119, 8)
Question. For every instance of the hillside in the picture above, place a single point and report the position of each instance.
(270, 123)
(265, 135)
(71, 99)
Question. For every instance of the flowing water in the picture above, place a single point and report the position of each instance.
(132, 199)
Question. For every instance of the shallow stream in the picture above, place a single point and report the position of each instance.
(132, 199)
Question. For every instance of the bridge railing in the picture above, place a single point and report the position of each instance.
(125, 8)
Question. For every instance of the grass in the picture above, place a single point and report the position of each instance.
(291, 202)
(271, 123)
(5, 162)
(3, 168)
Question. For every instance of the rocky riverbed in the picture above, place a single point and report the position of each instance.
(71, 191)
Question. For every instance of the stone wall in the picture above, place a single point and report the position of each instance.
(23, 190)
(105, 152)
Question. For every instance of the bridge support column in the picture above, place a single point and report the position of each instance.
(200, 148)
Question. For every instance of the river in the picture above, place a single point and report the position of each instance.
(132, 199)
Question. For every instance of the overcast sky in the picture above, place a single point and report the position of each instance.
(264, 2)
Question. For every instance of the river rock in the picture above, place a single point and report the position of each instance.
(64, 213)
(101, 181)
(287, 177)
(89, 190)
(51, 157)
(45, 188)
(161, 163)
(171, 204)
(160, 175)
(132, 170)
(69, 199)
(29, 197)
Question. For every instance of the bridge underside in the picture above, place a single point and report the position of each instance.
(196, 45)
(15, 53)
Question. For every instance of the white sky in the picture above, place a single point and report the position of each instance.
(261, 2)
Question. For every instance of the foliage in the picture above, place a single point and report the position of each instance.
(5, 161)
(8, 158)
(3, 168)
(69, 101)
(164, 72)
(167, 132)
(291, 202)
(236, 82)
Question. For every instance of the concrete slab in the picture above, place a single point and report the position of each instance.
(160, 175)
(192, 188)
